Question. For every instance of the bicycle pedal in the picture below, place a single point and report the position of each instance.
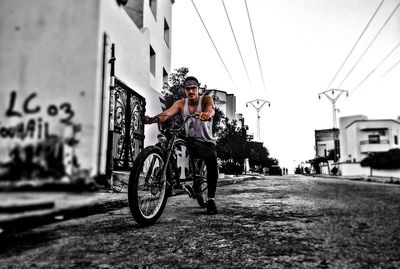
(189, 190)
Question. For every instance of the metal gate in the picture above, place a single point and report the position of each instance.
(128, 133)
(126, 129)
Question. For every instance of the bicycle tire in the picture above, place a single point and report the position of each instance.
(200, 184)
(148, 193)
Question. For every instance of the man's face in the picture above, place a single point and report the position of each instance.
(192, 92)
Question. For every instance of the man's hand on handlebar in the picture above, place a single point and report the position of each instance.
(150, 120)
(202, 116)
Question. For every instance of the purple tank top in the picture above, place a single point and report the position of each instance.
(196, 128)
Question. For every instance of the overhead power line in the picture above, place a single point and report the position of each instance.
(370, 44)
(390, 69)
(237, 45)
(355, 44)
(212, 41)
(376, 67)
(255, 45)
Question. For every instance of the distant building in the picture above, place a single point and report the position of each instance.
(240, 121)
(325, 141)
(56, 100)
(360, 136)
(226, 102)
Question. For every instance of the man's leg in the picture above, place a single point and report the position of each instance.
(208, 153)
(210, 160)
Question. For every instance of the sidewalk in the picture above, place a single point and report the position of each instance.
(24, 210)
(376, 179)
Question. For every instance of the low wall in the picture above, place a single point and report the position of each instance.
(355, 169)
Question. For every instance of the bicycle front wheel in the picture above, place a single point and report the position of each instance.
(147, 187)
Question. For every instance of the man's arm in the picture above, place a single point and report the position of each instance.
(163, 116)
(208, 108)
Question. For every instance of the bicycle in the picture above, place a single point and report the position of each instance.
(159, 172)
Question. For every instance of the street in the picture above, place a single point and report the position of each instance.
(276, 222)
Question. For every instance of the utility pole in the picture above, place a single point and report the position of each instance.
(333, 100)
(258, 104)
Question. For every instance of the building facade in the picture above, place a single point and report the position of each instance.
(60, 102)
(360, 136)
(327, 140)
(226, 102)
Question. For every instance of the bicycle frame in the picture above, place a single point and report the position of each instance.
(169, 149)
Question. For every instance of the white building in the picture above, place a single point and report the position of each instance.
(360, 136)
(226, 102)
(325, 141)
(55, 73)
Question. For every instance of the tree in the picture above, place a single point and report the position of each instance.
(315, 163)
(231, 147)
(332, 155)
(172, 90)
(383, 160)
(259, 155)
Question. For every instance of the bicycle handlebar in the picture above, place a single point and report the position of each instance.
(180, 128)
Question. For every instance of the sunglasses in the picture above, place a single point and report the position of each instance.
(189, 88)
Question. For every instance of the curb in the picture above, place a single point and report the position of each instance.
(381, 180)
(32, 221)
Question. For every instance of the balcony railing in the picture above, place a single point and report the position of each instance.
(364, 142)
(374, 146)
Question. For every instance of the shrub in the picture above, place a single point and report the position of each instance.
(231, 168)
(334, 170)
(383, 160)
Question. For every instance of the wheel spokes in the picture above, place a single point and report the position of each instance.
(151, 189)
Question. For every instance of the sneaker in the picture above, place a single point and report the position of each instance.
(211, 208)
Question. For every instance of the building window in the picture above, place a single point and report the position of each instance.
(395, 140)
(153, 7)
(166, 32)
(165, 76)
(373, 139)
(152, 61)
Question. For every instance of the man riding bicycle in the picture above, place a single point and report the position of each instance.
(198, 130)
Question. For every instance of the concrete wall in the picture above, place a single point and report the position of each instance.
(353, 143)
(48, 57)
(51, 69)
(162, 50)
(343, 123)
(355, 169)
(132, 63)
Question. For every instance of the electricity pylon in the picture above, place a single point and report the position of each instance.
(333, 100)
(258, 104)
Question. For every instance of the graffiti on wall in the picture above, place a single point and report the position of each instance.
(34, 128)
(45, 157)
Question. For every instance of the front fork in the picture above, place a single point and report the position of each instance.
(166, 164)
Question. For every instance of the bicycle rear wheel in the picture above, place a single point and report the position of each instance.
(200, 183)
(147, 188)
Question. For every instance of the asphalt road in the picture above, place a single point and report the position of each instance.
(277, 222)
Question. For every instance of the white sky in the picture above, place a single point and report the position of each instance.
(301, 45)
